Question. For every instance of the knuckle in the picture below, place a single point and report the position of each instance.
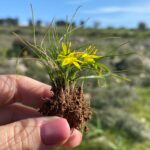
(7, 88)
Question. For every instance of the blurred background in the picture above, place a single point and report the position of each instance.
(121, 110)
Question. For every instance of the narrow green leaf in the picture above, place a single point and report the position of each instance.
(33, 24)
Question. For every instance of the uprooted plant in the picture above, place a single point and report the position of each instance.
(67, 68)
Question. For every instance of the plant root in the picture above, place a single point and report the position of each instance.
(69, 104)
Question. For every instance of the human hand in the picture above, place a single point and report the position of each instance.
(21, 126)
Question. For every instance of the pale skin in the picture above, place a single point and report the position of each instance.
(21, 126)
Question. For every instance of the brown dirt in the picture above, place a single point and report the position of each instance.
(69, 104)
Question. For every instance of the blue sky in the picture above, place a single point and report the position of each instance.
(117, 13)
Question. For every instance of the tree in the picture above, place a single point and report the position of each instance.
(2, 22)
(38, 23)
(82, 23)
(73, 24)
(9, 22)
(142, 26)
(29, 22)
(61, 23)
(96, 24)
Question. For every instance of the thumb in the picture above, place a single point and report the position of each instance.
(38, 133)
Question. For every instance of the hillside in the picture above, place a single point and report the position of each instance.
(121, 119)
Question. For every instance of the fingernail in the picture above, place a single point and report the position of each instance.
(47, 93)
(55, 132)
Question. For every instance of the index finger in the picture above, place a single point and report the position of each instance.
(28, 91)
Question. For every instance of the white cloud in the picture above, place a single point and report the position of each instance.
(145, 8)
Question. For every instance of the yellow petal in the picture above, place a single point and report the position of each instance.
(77, 65)
(66, 61)
(79, 61)
(84, 55)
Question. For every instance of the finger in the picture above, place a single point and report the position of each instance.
(23, 89)
(37, 133)
(16, 112)
(74, 140)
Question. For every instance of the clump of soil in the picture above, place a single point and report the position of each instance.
(69, 104)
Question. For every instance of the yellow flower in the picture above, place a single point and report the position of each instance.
(77, 58)
(89, 58)
(71, 59)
